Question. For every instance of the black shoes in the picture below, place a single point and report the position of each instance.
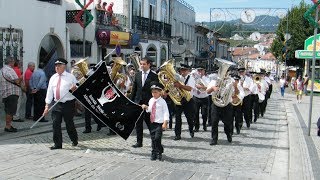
(191, 134)
(160, 157)
(213, 142)
(43, 120)
(18, 120)
(204, 128)
(55, 147)
(86, 131)
(177, 138)
(196, 130)
(137, 145)
(111, 133)
(238, 130)
(11, 129)
(75, 143)
(229, 137)
(98, 128)
(153, 157)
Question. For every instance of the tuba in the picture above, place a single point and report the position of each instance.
(222, 97)
(257, 80)
(117, 65)
(167, 77)
(80, 70)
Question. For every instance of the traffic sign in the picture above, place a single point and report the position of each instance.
(305, 54)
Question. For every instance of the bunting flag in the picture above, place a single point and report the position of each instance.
(102, 98)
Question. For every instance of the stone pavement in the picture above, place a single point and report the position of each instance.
(304, 149)
(261, 152)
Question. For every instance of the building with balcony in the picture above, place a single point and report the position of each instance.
(183, 42)
(33, 31)
(101, 35)
(151, 20)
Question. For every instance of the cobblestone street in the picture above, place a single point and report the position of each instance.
(260, 152)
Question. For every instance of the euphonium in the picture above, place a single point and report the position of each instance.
(81, 70)
(236, 101)
(135, 60)
(198, 80)
(117, 65)
(167, 77)
(257, 80)
(222, 97)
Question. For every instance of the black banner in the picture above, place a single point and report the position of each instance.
(100, 96)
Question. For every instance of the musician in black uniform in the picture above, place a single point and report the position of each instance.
(188, 107)
(237, 99)
(141, 94)
(224, 113)
(247, 104)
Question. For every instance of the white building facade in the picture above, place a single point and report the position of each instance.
(32, 31)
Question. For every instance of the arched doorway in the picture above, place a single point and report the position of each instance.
(152, 53)
(163, 55)
(50, 49)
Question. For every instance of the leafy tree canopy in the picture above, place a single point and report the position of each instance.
(299, 29)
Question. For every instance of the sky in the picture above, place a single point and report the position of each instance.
(202, 7)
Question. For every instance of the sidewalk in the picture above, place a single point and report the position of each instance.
(304, 149)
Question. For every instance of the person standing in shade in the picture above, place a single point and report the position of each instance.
(9, 91)
(159, 116)
(141, 95)
(17, 69)
(38, 84)
(58, 90)
(29, 102)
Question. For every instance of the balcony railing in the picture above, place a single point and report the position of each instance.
(118, 19)
(151, 27)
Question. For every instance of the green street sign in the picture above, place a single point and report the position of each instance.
(308, 43)
(304, 54)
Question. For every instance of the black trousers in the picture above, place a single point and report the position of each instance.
(29, 103)
(209, 110)
(224, 114)
(64, 111)
(156, 136)
(188, 109)
(87, 119)
(263, 106)
(203, 104)
(247, 106)
(255, 99)
(237, 116)
(38, 107)
(139, 126)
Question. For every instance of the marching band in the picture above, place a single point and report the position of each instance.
(230, 94)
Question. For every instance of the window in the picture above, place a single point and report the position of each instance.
(76, 48)
(164, 17)
(152, 9)
(137, 8)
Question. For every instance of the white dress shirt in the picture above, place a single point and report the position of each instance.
(144, 76)
(247, 83)
(162, 112)
(191, 82)
(67, 81)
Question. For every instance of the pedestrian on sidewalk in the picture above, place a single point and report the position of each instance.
(159, 117)
(318, 124)
(299, 88)
(58, 90)
(9, 91)
(305, 84)
(282, 85)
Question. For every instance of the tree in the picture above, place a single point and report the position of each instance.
(299, 29)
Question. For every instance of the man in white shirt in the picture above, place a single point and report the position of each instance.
(58, 91)
(200, 97)
(247, 104)
(186, 107)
